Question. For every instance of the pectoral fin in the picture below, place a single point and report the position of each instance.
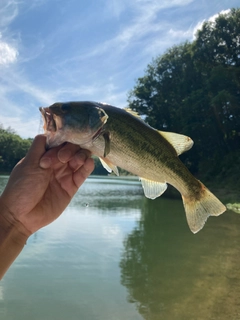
(109, 166)
(180, 142)
(153, 189)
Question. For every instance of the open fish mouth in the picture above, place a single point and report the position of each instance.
(49, 122)
(60, 126)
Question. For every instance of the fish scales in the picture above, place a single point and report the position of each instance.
(145, 152)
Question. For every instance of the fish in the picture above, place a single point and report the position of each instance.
(120, 138)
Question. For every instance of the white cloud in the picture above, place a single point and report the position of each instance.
(211, 19)
(8, 54)
(180, 34)
(26, 128)
(223, 12)
(191, 32)
(197, 28)
(8, 12)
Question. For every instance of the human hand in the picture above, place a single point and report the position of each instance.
(43, 183)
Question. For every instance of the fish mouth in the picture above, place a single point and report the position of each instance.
(48, 117)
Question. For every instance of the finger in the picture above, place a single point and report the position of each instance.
(62, 153)
(67, 152)
(82, 173)
(36, 150)
(79, 159)
(50, 158)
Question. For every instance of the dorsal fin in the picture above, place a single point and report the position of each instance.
(180, 142)
(134, 113)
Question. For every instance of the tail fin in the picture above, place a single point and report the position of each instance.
(197, 211)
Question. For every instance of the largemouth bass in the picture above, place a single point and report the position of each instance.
(121, 138)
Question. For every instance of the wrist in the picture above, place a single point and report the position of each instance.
(13, 237)
(10, 225)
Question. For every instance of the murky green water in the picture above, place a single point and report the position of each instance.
(115, 255)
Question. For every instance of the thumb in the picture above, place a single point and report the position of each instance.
(36, 150)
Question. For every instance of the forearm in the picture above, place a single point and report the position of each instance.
(13, 237)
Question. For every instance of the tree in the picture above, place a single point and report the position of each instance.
(194, 89)
(218, 41)
(12, 148)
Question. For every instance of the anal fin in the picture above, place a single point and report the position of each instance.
(153, 189)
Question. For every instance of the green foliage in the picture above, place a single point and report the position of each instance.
(12, 149)
(98, 168)
(218, 41)
(194, 89)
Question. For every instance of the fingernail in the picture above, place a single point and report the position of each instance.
(45, 163)
(64, 155)
(82, 156)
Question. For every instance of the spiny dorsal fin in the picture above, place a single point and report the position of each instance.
(153, 189)
(109, 166)
(134, 113)
(180, 142)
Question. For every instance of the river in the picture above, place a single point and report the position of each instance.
(115, 255)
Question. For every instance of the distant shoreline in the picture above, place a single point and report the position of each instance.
(224, 194)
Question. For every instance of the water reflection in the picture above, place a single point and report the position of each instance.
(1, 292)
(107, 193)
(70, 268)
(123, 256)
(173, 274)
(3, 182)
(2, 308)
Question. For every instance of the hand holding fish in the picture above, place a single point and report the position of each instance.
(39, 188)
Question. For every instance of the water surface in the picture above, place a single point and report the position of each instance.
(115, 255)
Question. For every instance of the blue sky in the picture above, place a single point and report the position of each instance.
(58, 50)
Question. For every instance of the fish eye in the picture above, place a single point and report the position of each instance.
(65, 107)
